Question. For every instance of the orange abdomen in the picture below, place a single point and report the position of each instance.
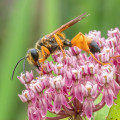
(85, 43)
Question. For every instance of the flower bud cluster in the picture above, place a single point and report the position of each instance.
(70, 87)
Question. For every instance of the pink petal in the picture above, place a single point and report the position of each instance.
(49, 90)
(69, 75)
(57, 103)
(43, 107)
(65, 91)
(94, 90)
(31, 75)
(108, 97)
(49, 66)
(115, 87)
(23, 99)
(55, 69)
(64, 101)
(68, 82)
(88, 112)
(84, 90)
(21, 79)
(49, 106)
(33, 113)
(68, 79)
(72, 95)
(88, 108)
(79, 74)
(79, 93)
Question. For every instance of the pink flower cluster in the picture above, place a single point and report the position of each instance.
(70, 87)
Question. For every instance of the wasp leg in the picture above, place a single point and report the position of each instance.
(62, 35)
(98, 60)
(59, 42)
(43, 50)
(81, 41)
(114, 57)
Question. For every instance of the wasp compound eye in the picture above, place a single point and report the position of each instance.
(33, 57)
(34, 54)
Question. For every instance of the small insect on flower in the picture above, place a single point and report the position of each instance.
(57, 41)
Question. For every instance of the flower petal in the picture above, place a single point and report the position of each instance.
(79, 93)
(64, 101)
(44, 107)
(57, 103)
(108, 97)
(88, 108)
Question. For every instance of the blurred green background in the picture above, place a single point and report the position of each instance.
(23, 22)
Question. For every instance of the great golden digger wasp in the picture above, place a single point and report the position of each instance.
(56, 40)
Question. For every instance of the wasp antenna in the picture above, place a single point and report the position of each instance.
(16, 66)
(24, 67)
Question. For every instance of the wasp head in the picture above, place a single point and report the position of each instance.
(33, 56)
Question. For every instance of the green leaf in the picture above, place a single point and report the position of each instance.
(114, 113)
(102, 113)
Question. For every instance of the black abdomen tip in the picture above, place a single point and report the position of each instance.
(94, 48)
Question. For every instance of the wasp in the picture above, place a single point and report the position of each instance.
(55, 41)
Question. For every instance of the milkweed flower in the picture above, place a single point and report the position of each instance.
(77, 81)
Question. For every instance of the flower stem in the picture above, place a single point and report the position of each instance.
(98, 106)
(68, 112)
(56, 118)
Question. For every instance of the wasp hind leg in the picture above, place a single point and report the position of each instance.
(59, 42)
(44, 51)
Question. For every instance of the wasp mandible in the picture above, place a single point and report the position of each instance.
(56, 40)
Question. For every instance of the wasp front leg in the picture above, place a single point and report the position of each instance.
(44, 51)
(83, 42)
(59, 42)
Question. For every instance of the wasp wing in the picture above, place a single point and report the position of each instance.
(67, 25)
